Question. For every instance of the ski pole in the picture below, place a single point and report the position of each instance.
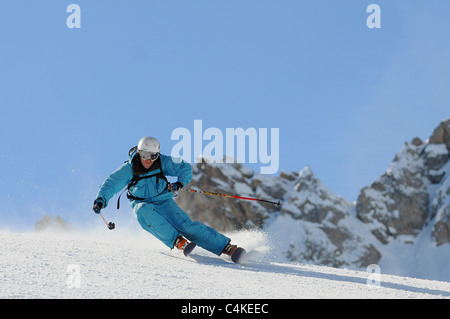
(230, 196)
(110, 225)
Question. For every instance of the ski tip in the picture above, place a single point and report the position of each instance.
(238, 255)
(189, 248)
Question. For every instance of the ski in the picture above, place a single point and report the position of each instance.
(238, 255)
(189, 248)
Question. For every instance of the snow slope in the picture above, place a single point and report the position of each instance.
(132, 264)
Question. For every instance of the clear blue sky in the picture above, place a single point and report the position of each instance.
(344, 97)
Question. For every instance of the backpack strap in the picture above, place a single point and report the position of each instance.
(132, 150)
(136, 179)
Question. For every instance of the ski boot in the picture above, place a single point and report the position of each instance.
(182, 244)
(236, 253)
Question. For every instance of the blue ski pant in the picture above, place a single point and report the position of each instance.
(166, 221)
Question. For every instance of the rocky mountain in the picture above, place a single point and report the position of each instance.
(411, 200)
(414, 191)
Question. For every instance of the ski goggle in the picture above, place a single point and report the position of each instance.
(149, 155)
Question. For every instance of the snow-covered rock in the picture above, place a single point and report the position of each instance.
(397, 202)
(324, 231)
(439, 171)
(414, 191)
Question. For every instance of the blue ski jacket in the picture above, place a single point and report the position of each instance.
(153, 189)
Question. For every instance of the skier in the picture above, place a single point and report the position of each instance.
(151, 197)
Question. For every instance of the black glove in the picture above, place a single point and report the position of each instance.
(98, 205)
(175, 187)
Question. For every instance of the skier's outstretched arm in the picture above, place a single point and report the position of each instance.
(115, 182)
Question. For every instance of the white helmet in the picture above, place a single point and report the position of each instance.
(148, 148)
